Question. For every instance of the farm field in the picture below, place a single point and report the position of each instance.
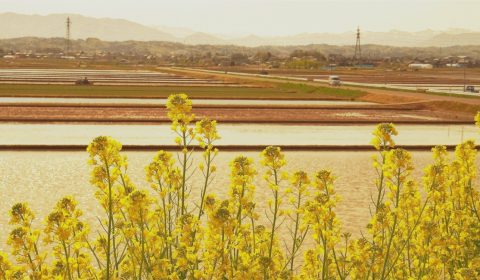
(449, 81)
(225, 113)
(102, 77)
(162, 102)
(46, 128)
(48, 172)
(272, 92)
(439, 76)
(248, 101)
(253, 136)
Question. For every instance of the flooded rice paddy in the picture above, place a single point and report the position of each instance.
(42, 178)
(233, 134)
(100, 77)
(162, 101)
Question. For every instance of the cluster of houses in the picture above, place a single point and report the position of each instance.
(239, 59)
(448, 61)
(79, 56)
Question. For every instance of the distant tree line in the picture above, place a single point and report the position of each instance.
(169, 53)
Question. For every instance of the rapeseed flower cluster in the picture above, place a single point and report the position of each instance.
(428, 229)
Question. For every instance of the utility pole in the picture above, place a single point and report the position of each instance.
(67, 37)
(385, 76)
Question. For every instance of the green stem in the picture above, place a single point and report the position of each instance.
(184, 171)
(110, 221)
(295, 233)
(394, 227)
(67, 263)
(205, 185)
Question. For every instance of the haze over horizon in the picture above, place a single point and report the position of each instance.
(269, 17)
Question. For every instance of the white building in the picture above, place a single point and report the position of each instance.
(454, 65)
(420, 66)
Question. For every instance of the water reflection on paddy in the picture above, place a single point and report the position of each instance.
(42, 178)
(234, 134)
(161, 101)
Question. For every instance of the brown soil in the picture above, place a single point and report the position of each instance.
(407, 114)
(398, 106)
(380, 75)
(452, 108)
(465, 106)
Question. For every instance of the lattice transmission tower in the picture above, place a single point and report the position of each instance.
(358, 50)
(67, 37)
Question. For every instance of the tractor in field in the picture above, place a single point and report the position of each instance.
(83, 82)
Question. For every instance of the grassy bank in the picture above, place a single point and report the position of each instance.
(278, 91)
(321, 91)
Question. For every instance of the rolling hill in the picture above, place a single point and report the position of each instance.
(107, 29)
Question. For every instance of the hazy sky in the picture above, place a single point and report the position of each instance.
(270, 17)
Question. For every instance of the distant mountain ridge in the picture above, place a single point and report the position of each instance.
(14, 25)
(17, 25)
